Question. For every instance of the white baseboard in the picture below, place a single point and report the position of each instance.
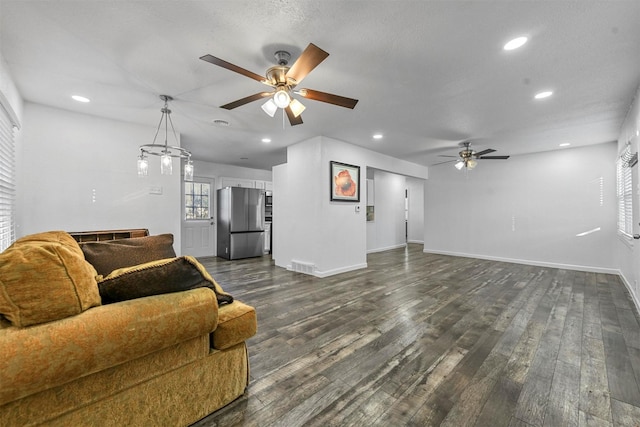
(328, 273)
(634, 297)
(588, 268)
(387, 248)
(320, 274)
(421, 242)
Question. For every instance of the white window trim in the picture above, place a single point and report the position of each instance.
(8, 124)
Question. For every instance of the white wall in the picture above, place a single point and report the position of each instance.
(528, 209)
(78, 172)
(8, 89)
(415, 188)
(219, 170)
(309, 228)
(628, 253)
(387, 231)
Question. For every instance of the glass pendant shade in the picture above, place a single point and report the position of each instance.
(281, 98)
(143, 166)
(166, 164)
(459, 165)
(471, 164)
(270, 107)
(188, 171)
(296, 107)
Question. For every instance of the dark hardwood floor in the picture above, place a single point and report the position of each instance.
(425, 340)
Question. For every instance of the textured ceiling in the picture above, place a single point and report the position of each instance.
(428, 74)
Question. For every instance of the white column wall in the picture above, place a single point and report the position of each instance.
(78, 172)
(328, 236)
(416, 210)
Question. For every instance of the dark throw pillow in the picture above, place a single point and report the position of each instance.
(113, 254)
(158, 277)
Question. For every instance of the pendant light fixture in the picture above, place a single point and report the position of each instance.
(165, 151)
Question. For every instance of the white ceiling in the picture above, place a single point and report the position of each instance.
(428, 74)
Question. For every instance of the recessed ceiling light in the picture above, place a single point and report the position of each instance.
(266, 140)
(565, 144)
(515, 43)
(80, 98)
(545, 94)
(377, 136)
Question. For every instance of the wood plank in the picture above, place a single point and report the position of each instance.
(564, 398)
(594, 386)
(588, 420)
(500, 405)
(625, 415)
(622, 382)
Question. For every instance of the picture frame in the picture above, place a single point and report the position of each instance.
(344, 184)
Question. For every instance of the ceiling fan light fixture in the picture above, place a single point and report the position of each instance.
(270, 107)
(459, 164)
(296, 107)
(471, 164)
(282, 98)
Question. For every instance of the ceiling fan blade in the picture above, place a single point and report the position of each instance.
(442, 163)
(338, 100)
(494, 157)
(292, 118)
(483, 152)
(248, 99)
(231, 67)
(308, 60)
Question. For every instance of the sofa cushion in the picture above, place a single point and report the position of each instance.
(44, 277)
(110, 255)
(237, 322)
(158, 277)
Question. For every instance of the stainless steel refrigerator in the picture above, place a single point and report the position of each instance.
(240, 222)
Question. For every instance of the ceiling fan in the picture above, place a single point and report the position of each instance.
(283, 79)
(467, 158)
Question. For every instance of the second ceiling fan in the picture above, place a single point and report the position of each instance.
(283, 79)
(467, 157)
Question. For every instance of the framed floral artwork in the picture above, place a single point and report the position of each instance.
(345, 182)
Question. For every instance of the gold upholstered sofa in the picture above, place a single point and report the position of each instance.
(153, 343)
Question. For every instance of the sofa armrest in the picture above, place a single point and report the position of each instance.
(48, 355)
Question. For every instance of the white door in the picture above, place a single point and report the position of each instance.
(198, 217)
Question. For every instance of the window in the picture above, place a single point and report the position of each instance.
(625, 192)
(197, 200)
(7, 176)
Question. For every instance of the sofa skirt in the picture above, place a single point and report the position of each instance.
(176, 396)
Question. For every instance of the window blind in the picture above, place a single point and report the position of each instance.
(7, 181)
(624, 181)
